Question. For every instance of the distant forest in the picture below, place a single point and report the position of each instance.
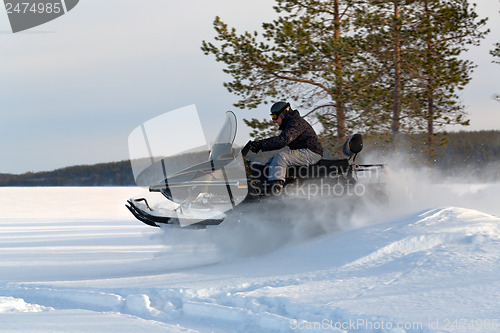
(477, 153)
(474, 155)
(103, 174)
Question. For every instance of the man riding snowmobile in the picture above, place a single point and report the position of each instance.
(298, 135)
(227, 183)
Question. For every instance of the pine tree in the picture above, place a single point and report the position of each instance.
(367, 65)
(420, 44)
(496, 55)
(446, 28)
(385, 27)
(307, 55)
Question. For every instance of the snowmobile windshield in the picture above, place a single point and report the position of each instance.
(224, 141)
(167, 144)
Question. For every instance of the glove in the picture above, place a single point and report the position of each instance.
(256, 146)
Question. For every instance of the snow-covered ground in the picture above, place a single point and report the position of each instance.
(75, 260)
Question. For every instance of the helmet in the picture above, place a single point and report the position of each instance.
(280, 108)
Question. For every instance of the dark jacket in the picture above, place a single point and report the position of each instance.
(296, 133)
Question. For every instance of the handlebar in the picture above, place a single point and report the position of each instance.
(246, 149)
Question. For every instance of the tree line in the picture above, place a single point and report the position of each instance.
(463, 150)
(475, 153)
(370, 66)
(103, 174)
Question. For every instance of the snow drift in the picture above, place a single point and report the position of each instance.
(435, 270)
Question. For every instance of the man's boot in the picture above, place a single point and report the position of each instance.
(276, 186)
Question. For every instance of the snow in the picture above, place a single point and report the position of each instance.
(75, 260)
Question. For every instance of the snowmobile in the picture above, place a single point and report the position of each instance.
(229, 182)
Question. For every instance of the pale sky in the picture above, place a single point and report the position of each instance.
(73, 89)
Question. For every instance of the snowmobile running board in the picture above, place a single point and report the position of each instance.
(143, 216)
(156, 221)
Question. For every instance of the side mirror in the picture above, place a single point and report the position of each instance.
(353, 145)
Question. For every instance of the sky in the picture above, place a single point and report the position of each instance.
(73, 89)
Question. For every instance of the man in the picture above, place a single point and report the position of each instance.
(298, 135)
